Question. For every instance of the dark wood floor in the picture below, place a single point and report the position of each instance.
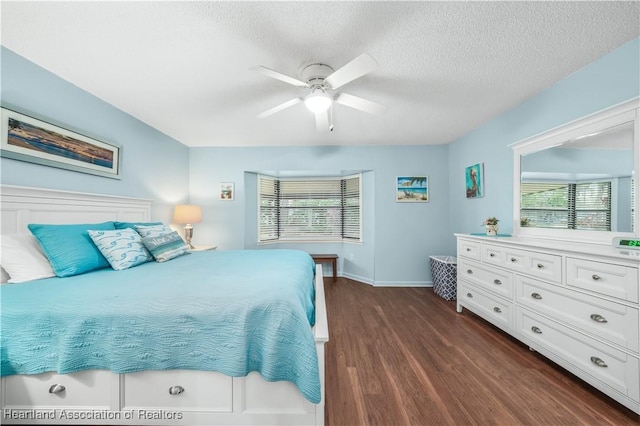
(403, 356)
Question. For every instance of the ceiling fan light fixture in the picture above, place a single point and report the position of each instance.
(318, 101)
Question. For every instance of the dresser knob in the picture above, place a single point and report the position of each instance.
(597, 361)
(176, 390)
(497, 282)
(598, 318)
(57, 388)
(536, 330)
(540, 265)
(595, 277)
(468, 249)
(536, 296)
(513, 259)
(469, 271)
(498, 310)
(492, 254)
(469, 295)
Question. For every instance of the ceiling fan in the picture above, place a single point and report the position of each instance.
(322, 81)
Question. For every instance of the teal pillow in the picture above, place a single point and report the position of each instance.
(166, 246)
(122, 248)
(69, 247)
(132, 225)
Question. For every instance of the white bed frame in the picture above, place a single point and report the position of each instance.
(145, 398)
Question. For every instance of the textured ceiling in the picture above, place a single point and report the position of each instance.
(445, 67)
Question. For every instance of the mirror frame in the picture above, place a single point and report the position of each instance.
(622, 113)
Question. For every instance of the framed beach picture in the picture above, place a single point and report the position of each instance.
(226, 191)
(28, 139)
(412, 189)
(474, 180)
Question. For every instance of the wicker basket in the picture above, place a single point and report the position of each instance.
(444, 272)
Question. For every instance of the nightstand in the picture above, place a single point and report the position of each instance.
(203, 248)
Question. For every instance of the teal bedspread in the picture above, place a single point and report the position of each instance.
(228, 311)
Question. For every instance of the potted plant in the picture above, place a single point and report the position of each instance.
(491, 225)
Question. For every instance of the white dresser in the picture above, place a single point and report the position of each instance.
(577, 304)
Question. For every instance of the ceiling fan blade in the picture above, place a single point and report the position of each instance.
(360, 104)
(280, 107)
(360, 66)
(322, 121)
(279, 76)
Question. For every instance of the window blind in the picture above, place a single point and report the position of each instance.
(585, 206)
(325, 209)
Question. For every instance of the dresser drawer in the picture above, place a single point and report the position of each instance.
(607, 320)
(470, 249)
(94, 389)
(180, 390)
(494, 309)
(613, 280)
(611, 367)
(487, 277)
(540, 265)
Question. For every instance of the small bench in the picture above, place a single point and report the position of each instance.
(327, 258)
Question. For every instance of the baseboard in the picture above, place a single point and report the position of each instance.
(374, 283)
(403, 284)
(356, 278)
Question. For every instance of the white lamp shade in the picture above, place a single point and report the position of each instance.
(318, 102)
(187, 213)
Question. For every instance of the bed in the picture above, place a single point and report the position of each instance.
(215, 337)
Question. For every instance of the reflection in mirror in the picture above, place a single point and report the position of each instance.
(585, 183)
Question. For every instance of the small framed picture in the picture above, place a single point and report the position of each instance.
(412, 189)
(226, 191)
(474, 179)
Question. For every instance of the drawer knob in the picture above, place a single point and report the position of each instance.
(597, 361)
(176, 390)
(469, 271)
(595, 277)
(598, 318)
(498, 310)
(536, 330)
(540, 265)
(492, 254)
(497, 282)
(513, 259)
(468, 249)
(57, 388)
(536, 296)
(469, 295)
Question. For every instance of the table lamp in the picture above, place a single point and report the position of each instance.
(187, 214)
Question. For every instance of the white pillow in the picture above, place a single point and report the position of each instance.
(23, 258)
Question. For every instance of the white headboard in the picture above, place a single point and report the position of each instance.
(20, 206)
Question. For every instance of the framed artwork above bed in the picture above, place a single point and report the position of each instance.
(29, 139)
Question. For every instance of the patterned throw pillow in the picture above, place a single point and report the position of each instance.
(122, 248)
(166, 246)
(153, 230)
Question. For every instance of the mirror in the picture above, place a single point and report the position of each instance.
(579, 180)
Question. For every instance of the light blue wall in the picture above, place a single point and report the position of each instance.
(154, 166)
(608, 81)
(398, 238)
